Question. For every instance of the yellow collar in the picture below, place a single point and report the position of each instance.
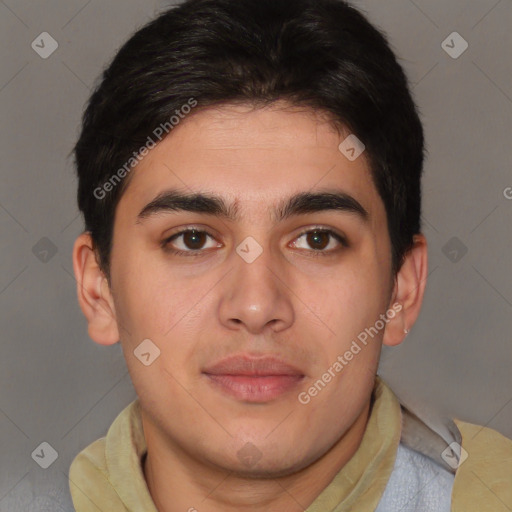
(108, 473)
(359, 485)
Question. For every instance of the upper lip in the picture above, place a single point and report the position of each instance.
(248, 365)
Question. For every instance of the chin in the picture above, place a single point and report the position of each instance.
(250, 462)
(268, 470)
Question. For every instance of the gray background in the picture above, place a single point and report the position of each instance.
(60, 387)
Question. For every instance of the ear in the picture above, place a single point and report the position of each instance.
(94, 294)
(408, 292)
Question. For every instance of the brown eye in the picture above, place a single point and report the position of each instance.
(188, 242)
(194, 239)
(320, 241)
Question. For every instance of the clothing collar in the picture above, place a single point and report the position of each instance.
(125, 446)
(359, 485)
(432, 435)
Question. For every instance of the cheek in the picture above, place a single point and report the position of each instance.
(148, 297)
(156, 304)
(352, 301)
(352, 307)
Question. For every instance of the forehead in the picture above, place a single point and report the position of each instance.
(252, 157)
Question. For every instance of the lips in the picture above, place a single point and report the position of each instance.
(252, 379)
(250, 366)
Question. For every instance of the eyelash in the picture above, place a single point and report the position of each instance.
(199, 252)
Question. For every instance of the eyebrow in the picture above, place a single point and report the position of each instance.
(209, 204)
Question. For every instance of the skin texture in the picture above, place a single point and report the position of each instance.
(288, 303)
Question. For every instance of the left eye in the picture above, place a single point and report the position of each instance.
(322, 240)
(191, 240)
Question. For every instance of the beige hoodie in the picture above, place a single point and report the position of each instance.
(107, 475)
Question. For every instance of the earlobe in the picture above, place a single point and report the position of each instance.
(408, 292)
(94, 294)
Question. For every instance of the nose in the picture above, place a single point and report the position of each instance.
(255, 295)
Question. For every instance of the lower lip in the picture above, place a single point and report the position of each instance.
(255, 389)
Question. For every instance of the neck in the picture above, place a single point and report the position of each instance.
(178, 482)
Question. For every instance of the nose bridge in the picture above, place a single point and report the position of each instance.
(254, 293)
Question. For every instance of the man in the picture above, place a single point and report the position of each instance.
(249, 173)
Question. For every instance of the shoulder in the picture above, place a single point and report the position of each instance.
(96, 474)
(89, 483)
(90, 458)
(483, 480)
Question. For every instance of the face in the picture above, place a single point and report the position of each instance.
(286, 292)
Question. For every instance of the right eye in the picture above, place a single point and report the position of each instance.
(191, 244)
